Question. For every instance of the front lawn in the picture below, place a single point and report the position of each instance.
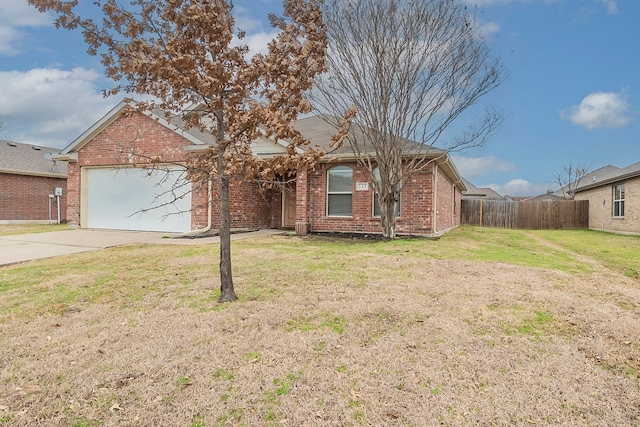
(481, 327)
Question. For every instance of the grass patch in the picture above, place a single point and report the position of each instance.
(517, 320)
(266, 268)
(284, 384)
(323, 320)
(223, 375)
(508, 246)
(14, 229)
(121, 276)
(85, 423)
(617, 252)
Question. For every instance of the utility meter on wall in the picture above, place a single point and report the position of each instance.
(58, 191)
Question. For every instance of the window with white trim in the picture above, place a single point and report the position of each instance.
(339, 191)
(376, 203)
(618, 201)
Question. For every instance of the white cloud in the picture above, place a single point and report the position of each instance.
(256, 38)
(13, 16)
(20, 13)
(258, 42)
(50, 107)
(521, 187)
(489, 28)
(601, 110)
(612, 6)
(471, 167)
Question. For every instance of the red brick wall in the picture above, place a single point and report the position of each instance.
(249, 206)
(26, 198)
(416, 204)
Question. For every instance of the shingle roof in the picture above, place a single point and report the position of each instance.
(473, 191)
(319, 128)
(27, 159)
(593, 176)
(609, 174)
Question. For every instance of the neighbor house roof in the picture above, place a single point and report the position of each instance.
(591, 177)
(477, 192)
(609, 176)
(548, 196)
(28, 159)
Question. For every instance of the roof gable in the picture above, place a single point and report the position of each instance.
(113, 115)
(198, 139)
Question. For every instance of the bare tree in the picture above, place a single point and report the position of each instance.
(410, 68)
(569, 178)
(189, 52)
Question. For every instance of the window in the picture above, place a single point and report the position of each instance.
(618, 201)
(376, 203)
(339, 191)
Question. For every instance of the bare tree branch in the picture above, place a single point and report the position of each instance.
(570, 177)
(410, 68)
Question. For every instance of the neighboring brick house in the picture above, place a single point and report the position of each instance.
(614, 199)
(28, 183)
(109, 187)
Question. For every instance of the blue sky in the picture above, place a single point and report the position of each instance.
(572, 92)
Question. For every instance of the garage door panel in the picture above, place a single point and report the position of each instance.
(135, 199)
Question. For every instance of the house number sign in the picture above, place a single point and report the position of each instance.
(362, 186)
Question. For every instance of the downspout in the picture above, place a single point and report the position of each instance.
(435, 198)
(209, 212)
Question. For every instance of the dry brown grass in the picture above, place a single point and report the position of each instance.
(397, 340)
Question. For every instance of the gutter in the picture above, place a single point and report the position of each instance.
(34, 173)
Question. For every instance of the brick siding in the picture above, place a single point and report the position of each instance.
(601, 207)
(416, 204)
(249, 206)
(26, 198)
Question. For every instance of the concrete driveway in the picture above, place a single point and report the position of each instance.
(26, 247)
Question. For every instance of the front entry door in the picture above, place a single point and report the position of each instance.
(289, 206)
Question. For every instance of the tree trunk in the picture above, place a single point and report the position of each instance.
(388, 211)
(227, 293)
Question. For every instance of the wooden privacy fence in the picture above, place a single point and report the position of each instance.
(565, 214)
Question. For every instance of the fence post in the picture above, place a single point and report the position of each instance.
(481, 212)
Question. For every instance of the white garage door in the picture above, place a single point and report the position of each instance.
(116, 199)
